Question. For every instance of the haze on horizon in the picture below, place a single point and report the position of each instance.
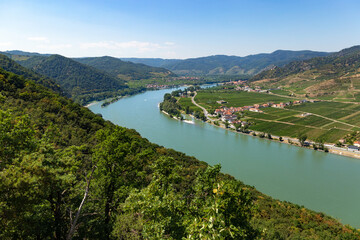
(178, 28)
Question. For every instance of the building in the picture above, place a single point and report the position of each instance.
(353, 148)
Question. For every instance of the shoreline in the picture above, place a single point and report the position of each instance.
(293, 141)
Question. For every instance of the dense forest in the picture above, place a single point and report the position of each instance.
(125, 70)
(66, 173)
(7, 64)
(76, 79)
(230, 65)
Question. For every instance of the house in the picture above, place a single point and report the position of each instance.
(221, 101)
(353, 148)
(255, 110)
(277, 105)
(357, 143)
(230, 118)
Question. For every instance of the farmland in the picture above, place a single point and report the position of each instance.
(208, 98)
(186, 102)
(326, 121)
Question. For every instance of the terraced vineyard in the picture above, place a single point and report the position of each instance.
(326, 121)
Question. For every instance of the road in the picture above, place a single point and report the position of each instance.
(193, 101)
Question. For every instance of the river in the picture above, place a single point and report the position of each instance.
(319, 181)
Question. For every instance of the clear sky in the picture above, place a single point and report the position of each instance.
(177, 28)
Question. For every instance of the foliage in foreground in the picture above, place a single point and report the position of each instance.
(67, 173)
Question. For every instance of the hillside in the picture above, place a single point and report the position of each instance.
(232, 65)
(9, 65)
(78, 80)
(125, 70)
(23, 53)
(336, 76)
(154, 62)
(66, 172)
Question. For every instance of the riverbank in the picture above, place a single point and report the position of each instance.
(319, 181)
(287, 140)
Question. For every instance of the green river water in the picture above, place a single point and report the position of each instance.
(319, 181)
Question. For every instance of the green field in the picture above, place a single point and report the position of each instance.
(328, 120)
(311, 120)
(283, 129)
(184, 102)
(208, 98)
(333, 110)
(281, 92)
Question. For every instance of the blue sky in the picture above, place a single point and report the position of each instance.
(177, 28)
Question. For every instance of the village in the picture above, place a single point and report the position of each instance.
(227, 114)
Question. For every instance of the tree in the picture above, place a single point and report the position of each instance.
(302, 138)
(211, 209)
(157, 207)
(16, 135)
(237, 126)
(220, 209)
(110, 157)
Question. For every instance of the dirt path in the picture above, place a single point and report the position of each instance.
(330, 119)
(193, 101)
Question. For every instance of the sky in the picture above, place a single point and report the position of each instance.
(177, 28)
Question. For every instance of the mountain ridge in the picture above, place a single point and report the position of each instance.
(332, 74)
(124, 70)
(230, 65)
(76, 79)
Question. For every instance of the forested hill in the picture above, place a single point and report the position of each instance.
(9, 65)
(78, 80)
(321, 75)
(125, 70)
(232, 65)
(154, 62)
(66, 173)
(22, 53)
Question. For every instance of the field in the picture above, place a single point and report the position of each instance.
(208, 98)
(184, 102)
(325, 120)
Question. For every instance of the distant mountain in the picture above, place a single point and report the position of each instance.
(124, 70)
(154, 62)
(10, 65)
(75, 78)
(233, 65)
(22, 53)
(321, 75)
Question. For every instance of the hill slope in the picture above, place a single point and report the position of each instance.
(337, 74)
(77, 79)
(154, 62)
(233, 65)
(9, 65)
(124, 70)
(55, 152)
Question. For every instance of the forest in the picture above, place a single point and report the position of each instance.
(66, 173)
